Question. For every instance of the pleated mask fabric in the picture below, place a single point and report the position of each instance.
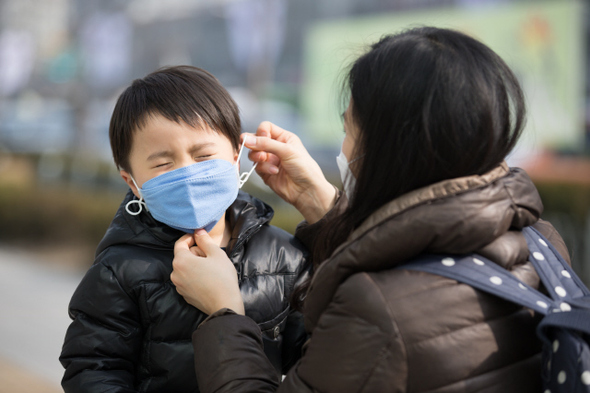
(191, 197)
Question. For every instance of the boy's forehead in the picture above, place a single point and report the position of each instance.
(158, 128)
(155, 119)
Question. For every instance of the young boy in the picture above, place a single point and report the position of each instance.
(175, 138)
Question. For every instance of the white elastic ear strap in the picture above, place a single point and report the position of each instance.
(139, 202)
(244, 176)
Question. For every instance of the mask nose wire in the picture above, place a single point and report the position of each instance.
(243, 178)
(140, 203)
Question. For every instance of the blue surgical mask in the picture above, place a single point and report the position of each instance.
(192, 197)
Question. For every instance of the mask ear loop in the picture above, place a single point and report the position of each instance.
(356, 159)
(243, 178)
(139, 202)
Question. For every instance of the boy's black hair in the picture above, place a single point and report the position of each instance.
(180, 94)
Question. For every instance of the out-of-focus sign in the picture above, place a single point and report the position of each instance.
(541, 41)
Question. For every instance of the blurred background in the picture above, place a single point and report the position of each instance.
(63, 64)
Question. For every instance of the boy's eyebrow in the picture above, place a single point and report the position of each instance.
(159, 154)
(200, 146)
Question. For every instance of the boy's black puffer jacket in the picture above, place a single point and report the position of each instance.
(131, 330)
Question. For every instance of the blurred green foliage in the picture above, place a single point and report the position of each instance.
(51, 216)
(33, 215)
(572, 199)
(567, 207)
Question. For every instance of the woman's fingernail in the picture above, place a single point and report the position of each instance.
(200, 232)
(250, 141)
(273, 169)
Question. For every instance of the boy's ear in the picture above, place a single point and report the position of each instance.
(236, 154)
(127, 177)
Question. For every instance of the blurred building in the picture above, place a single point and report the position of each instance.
(64, 62)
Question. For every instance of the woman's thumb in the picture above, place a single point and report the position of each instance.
(204, 242)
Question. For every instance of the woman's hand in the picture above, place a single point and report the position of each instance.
(204, 275)
(287, 168)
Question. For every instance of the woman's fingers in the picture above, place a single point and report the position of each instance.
(289, 170)
(266, 168)
(205, 243)
(197, 251)
(184, 243)
(208, 282)
(273, 139)
(264, 129)
(260, 156)
(272, 144)
(272, 131)
(280, 149)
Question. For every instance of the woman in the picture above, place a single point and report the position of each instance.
(432, 115)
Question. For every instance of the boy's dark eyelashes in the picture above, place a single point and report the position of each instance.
(196, 158)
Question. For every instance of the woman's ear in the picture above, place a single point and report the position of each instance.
(127, 177)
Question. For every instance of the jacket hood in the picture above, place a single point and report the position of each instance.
(470, 214)
(245, 215)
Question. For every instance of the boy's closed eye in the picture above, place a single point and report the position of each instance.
(203, 157)
(199, 158)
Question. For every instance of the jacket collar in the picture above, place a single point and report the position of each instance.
(457, 216)
(245, 215)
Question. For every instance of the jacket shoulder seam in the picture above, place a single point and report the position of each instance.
(140, 282)
(81, 314)
(107, 266)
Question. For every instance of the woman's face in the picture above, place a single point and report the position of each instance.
(351, 133)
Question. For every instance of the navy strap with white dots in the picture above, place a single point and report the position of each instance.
(566, 309)
(563, 285)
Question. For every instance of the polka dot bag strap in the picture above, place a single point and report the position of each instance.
(568, 297)
(564, 331)
(558, 277)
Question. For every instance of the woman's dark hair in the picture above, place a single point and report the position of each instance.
(180, 93)
(429, 104)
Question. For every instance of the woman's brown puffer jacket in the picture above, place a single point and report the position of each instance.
(375, 328)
